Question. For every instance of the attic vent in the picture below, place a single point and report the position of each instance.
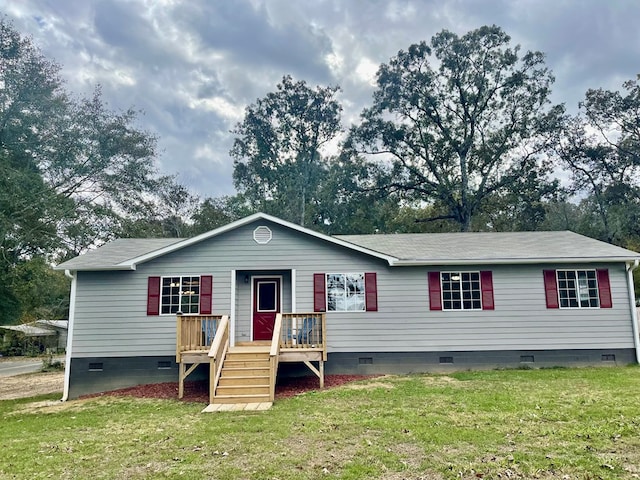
(262, 235)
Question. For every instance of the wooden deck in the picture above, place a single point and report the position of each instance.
(243, 377)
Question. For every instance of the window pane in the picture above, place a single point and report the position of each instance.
(579, 290)
(345, 292)
(461, 290)
(267, 296)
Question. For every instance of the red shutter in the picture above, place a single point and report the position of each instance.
(486, 286)
(435, 299)
(604, 288)
(551, 288)
(371, 292)
(206, 294)
(319, 293)
(153, 296)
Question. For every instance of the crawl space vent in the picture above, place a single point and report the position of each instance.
(262, 235)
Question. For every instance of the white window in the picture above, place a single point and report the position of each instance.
(180, 294)
(345, 292)
(461, 291)
(578, 288)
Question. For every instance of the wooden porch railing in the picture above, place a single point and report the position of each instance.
(195, 333)
(274, 356)
(302, 338)
(194, 337)
(217, 352)
(303, 331)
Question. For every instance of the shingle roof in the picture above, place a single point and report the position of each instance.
(113, 253)
(489, 246)
(396, 249)
(30, 330)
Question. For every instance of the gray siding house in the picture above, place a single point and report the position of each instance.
(393, 303)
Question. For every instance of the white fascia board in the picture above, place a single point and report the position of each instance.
(509, 261)
(245, 221)
(119, 266)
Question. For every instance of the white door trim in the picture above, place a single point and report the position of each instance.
(251, 282)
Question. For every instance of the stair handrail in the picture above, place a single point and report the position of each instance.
(274, 353)
(217, 352)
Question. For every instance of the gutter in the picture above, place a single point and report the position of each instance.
(72, 313)
(108, 268)
(634, 311)
(508, 261)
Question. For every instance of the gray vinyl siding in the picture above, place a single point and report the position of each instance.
(111, 320)
(520, 320)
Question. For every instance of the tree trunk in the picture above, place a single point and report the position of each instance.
(304, 202)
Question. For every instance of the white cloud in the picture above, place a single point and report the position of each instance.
(194, 65)
(366, 71)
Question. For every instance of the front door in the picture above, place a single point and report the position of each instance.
(266, 304)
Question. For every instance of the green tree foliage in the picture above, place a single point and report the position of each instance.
(464, 128)
(601, 149)
(213, 213)
(278, 162)
(73, 174)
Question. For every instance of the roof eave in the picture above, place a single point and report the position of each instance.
(509, 261)
(107, 268)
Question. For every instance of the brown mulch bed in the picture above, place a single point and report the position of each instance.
(198, 392)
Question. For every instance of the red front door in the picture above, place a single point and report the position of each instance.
(266, 304)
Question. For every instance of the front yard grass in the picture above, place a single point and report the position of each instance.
(555, 423)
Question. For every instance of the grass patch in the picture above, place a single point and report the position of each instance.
(560, 423)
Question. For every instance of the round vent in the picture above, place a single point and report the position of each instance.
(262, 235)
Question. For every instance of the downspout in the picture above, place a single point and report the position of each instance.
(634, 312)
(72, 314)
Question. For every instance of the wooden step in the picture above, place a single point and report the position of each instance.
(241, 398)
(242, 357)
(246, 364)
(254, 343)
(244, 380)
(243, 390)
(260, 351)
(244, 371)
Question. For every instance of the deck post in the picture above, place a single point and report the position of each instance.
(181, 380)
(178, 335)
(212, 383)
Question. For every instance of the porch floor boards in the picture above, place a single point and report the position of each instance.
(237, 407)
(250, 349)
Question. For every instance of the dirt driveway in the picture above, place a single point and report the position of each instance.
(31, 384)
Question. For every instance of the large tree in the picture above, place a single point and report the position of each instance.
(600, 147)
(459, 121)
(278, 150)
(71, 170)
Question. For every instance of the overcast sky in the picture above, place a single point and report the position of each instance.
(192, 66)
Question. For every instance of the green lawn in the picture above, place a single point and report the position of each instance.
(555, 423)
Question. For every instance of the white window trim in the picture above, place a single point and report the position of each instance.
(460, 272)
(180, 276)
(326, 292)
(576, 270)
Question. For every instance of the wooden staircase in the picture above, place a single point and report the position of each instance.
(245, 376)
